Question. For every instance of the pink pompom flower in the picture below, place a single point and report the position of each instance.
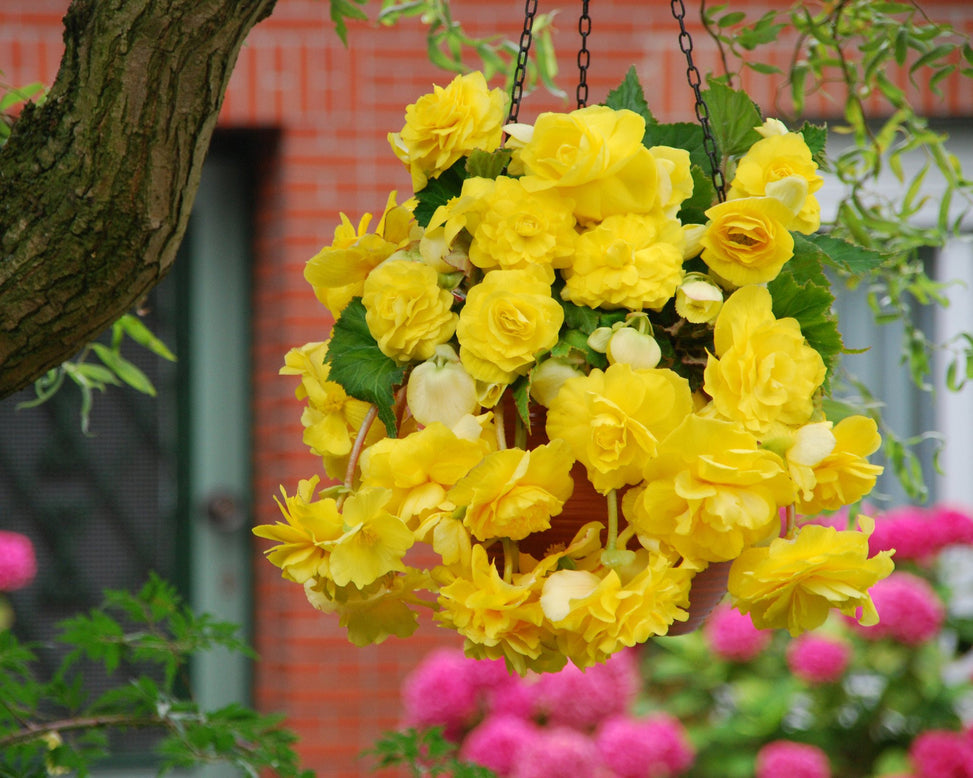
(794, 760)
(18, 564)
(909, 610)
(654, 747)
(560, 752)
(817, 659)
(731, 635)
(442, 691)
(497, 743)
(940, 753)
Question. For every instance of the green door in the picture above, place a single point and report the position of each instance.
(159, 483)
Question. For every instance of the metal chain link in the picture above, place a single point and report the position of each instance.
(526, 37)
(702, 110)
(584, 56)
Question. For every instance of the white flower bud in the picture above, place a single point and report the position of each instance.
(772, 127)
(698, 300)
(634, 348)
(548, 377)
(441, 390)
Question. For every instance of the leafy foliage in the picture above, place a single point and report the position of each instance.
(359, 365)
(49, 724)
(425, 752)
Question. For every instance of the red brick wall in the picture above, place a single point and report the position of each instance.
(330, 108)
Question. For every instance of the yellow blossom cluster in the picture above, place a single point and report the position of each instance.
(559, 324)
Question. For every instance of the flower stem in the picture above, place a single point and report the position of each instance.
(511, 559)
(790, 514)
(612, 520)
(498, 425)
(356, 449)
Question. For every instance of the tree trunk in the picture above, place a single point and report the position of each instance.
(96, 185)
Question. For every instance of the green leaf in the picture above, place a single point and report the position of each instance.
(345, 9)
(681, 135)
(133, 326)
(816, 138)
(358, 364)
(809, 303)
(487, 164)
(124, 369)
(629, 95)
(439, 191)
(840, 254)
(733, 117)
(693, 210)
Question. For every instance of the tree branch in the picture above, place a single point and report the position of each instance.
(96, 185)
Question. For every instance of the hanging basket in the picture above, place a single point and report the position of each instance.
(646, 311)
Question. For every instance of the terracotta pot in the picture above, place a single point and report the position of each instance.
(585, 505)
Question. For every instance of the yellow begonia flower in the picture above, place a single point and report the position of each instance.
(764, 373)
(493, 614)
(613, 420)
(420, 468)
(332, 418)
(807, 448)
(337, 272)
(746, 240)
(304, 541)
(794, 584)
(375, 543)
(508, 318)
(772, 158)
(513, 492)
(407, 312)
(710, 492)
(675, 177)
(627, 261)
(595, 156)
(517, 228)
(845, 475)
(448, 124)
(596, 615)
(698, 299)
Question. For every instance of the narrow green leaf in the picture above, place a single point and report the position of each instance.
(358, 364)
(124, 369)
(134, 327)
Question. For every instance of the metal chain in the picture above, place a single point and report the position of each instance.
(584, 56)
(526, 37)
(702, 110)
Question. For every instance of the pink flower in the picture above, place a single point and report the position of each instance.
(442, 691)
(655, 747)
(942, 754)
(581, 699)
(497, 743)
(817, 659)
(18, 565)
(732, 636)
(794, 760)
(909, 610)
(952, 525)
(917, 534)
(559, 752)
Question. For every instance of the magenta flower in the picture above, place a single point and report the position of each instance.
(817, 659)
(498, 742)
(442, 691)
(732, 636)
(917, 534)
(942, 754)
(909, 610)
(581, 699)
(560, 752)
(793, 760)
(655, 747)
(18, 564)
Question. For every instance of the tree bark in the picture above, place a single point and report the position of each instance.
(96, 184)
